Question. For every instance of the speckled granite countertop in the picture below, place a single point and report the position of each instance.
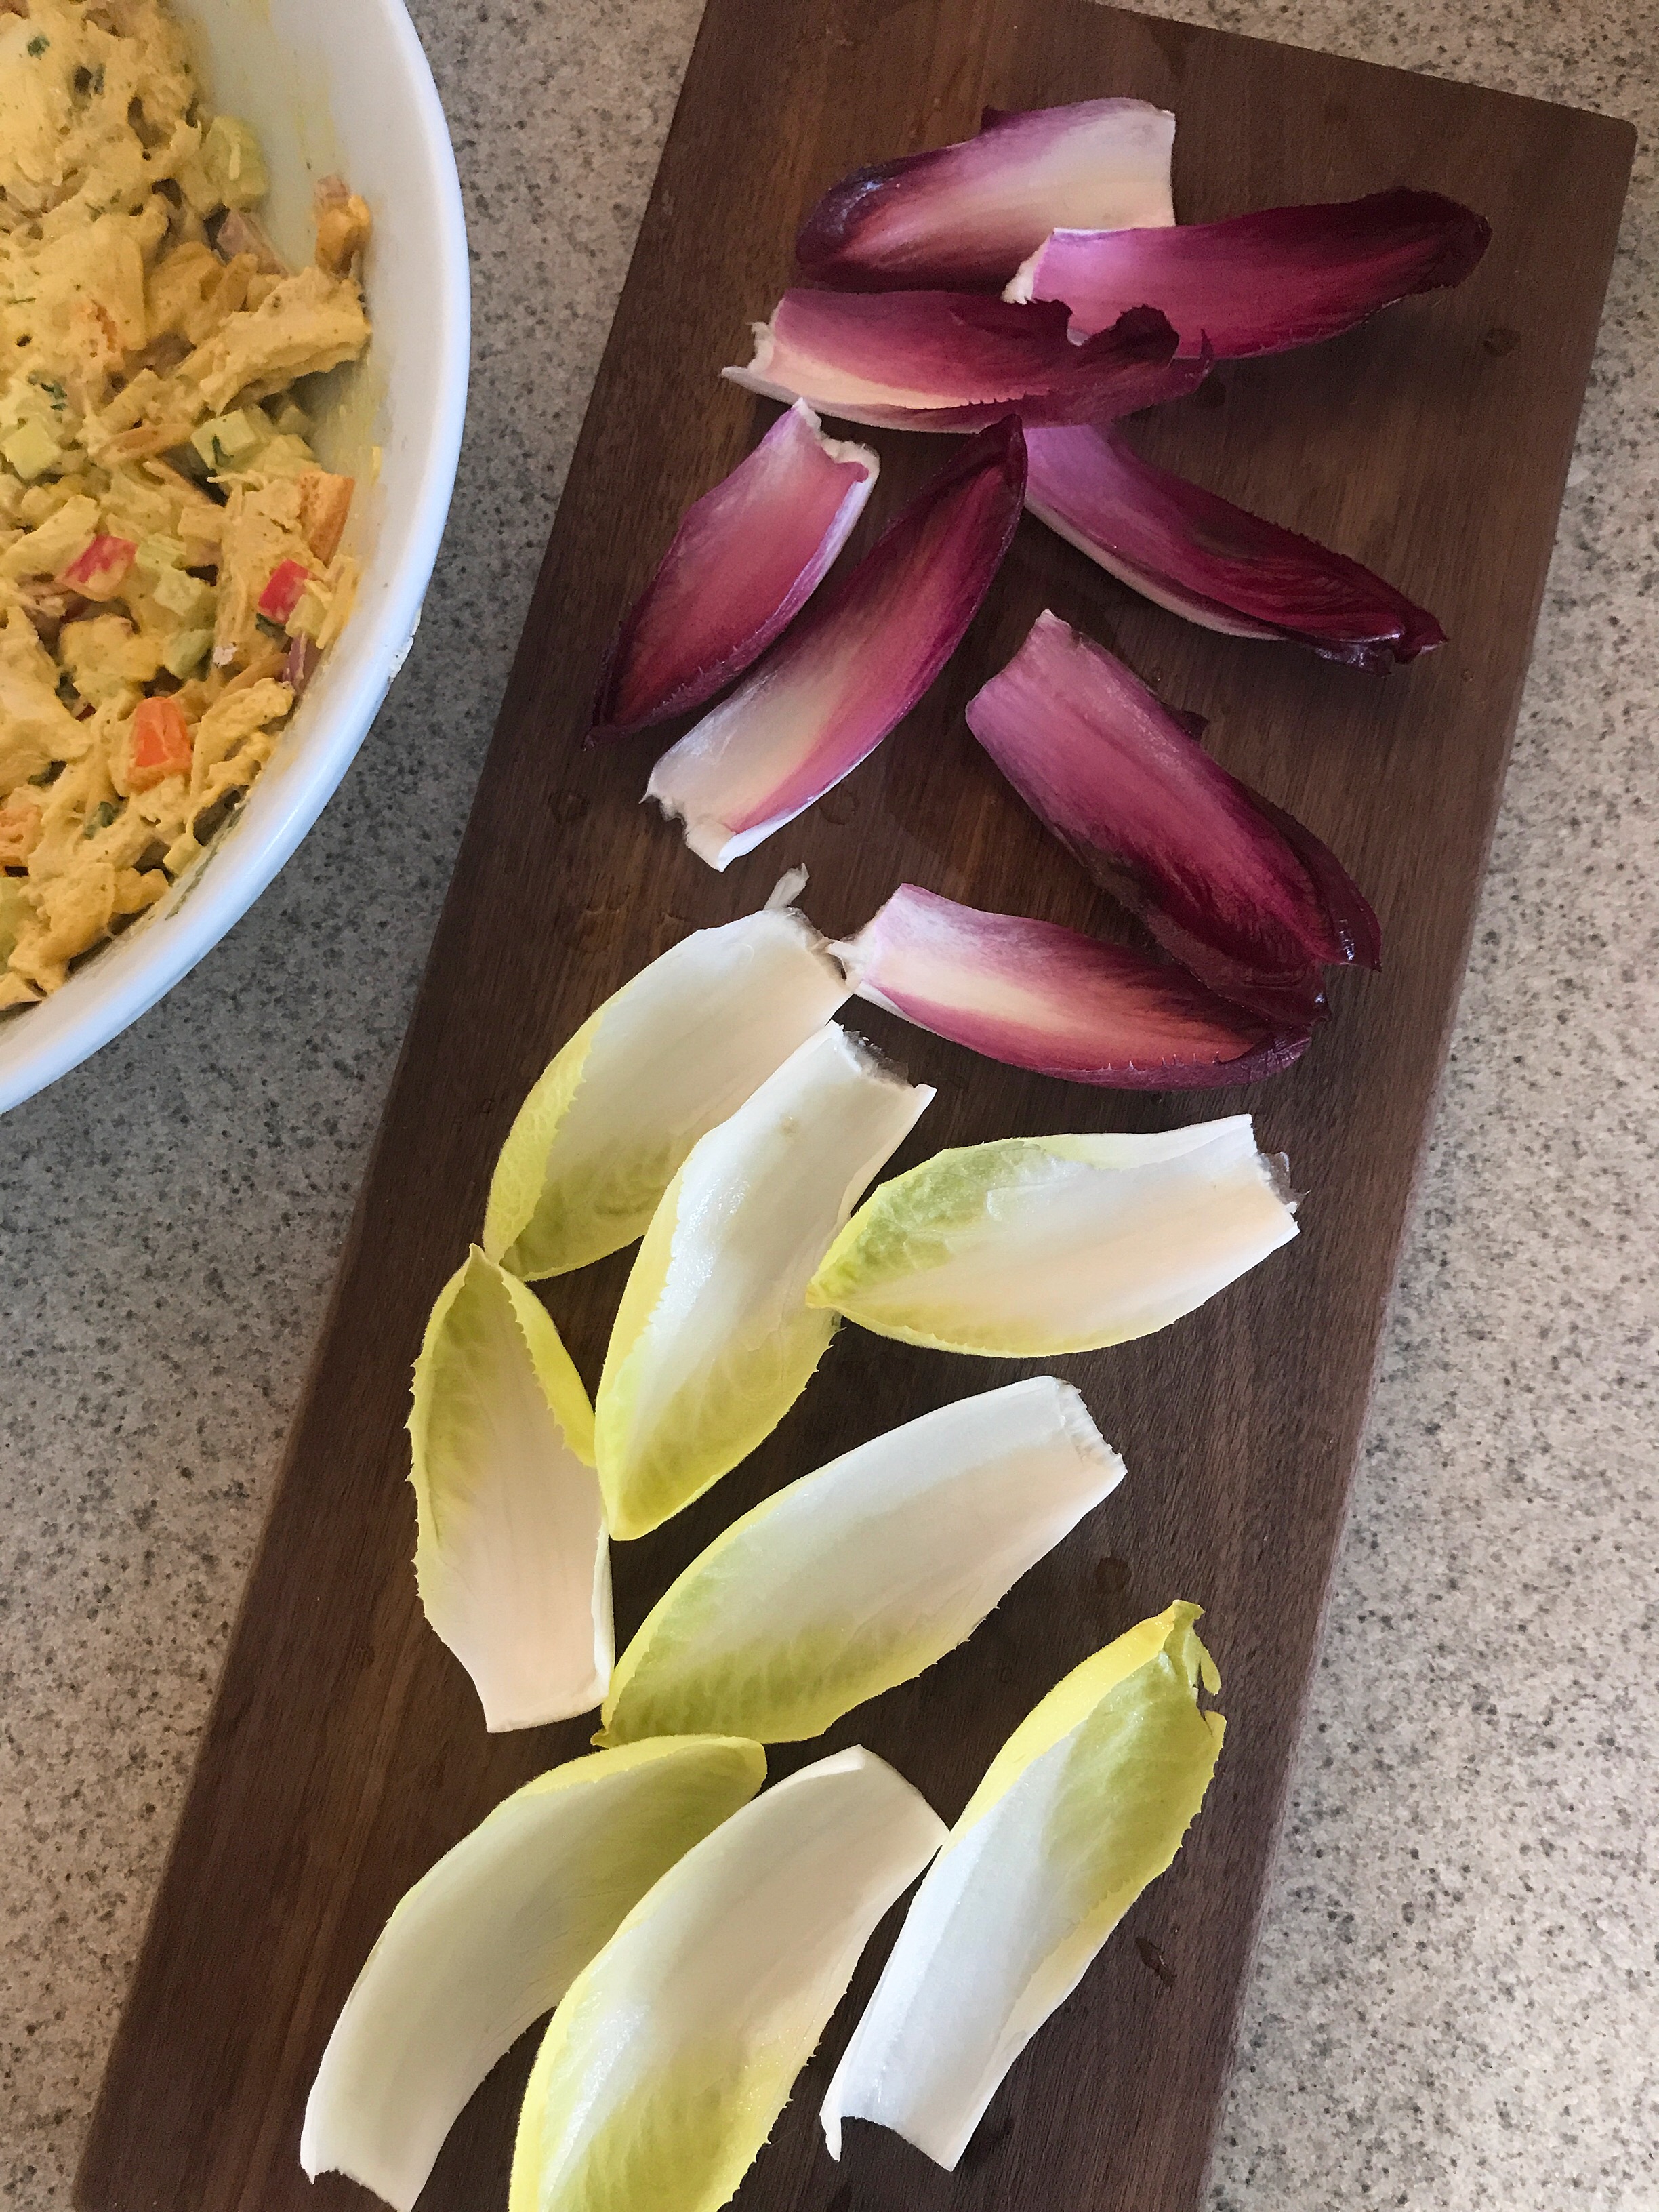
(1456, 2002)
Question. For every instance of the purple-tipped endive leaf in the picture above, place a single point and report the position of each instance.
(856, 663)
(744, 561)
(1261, 284)
(1186, 550)
(970, 213)
(1040, 996)
(957, 360)
(1235, 889)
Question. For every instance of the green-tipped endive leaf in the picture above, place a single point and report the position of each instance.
(513, 1563)
(671, 2054)
(1037, 1246)
(494, 1935)
(1084, 1806)
(859, 1576)
(714, 1340)
(664, 1060)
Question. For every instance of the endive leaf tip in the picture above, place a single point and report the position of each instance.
(1276, 1167)
(1018, 288)
(874, 1060)
(787, 889)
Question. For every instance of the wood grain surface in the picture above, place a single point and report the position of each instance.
(345, 1750)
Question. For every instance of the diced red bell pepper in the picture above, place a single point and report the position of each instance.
(160, 745)
(100, 571)
(282, 594)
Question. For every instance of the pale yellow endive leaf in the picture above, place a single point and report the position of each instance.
(492, 1937)
(714, 1340)
(671, 2054)
(512, 1561)
(1035, 1246)
(859, 1576)
(664, 1060)
(1086, 1803)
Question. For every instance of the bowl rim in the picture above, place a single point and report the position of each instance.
(380, 642)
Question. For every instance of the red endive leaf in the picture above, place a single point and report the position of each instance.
(969, 213)
(744, 559)
(1217, 564)
(1251, 901)
(856, 663)
(1260, 283)
(955, 361)
(1040, 996)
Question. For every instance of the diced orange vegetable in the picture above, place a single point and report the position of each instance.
(282, 594)
(160, 744)
(100, 571)
(324, 502)
(344, 224)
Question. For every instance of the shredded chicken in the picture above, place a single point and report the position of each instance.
(156, 470)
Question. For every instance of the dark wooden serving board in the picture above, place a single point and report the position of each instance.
(345, 1750)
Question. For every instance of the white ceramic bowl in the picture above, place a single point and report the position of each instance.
(331, 86)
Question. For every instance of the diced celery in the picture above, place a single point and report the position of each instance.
(186, 596)
(186, 653)
(311, 609)
(233, 162)
(227, 439)
(31, 450)
(155, 554)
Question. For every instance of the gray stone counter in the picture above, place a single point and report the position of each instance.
(1455, 2005)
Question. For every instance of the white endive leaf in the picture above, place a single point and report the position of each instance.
(859, 1576)
(512, 1562)
(672, 2054)
(714, 1340)
(1085, 1805)
(494, 1935)
(681, 1046)
(1037, 1246)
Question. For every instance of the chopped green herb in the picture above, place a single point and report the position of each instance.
(52, 769)
(54, 392)
(230, 438)
(101, 817)
(272, 629)
(39, 44)
(67, 692)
